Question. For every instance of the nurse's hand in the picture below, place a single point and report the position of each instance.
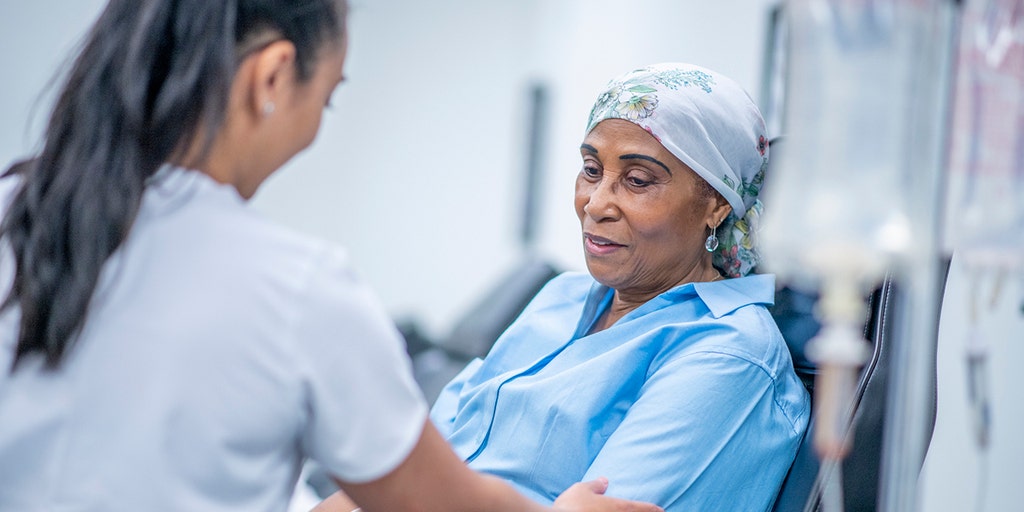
(588, 496)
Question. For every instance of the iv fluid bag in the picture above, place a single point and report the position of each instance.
(985, 204)
(838, 196)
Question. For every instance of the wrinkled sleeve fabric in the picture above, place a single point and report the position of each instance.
(704, 434)
(365, 412)
(446, 406)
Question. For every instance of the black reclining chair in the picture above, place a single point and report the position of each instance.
(435, 363)
(804, 486)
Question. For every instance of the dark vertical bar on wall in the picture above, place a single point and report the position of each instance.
(773, 71)
(768, 60)
(534, 157)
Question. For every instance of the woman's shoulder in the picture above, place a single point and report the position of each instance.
(727, 296)
(734, 322)
(227, 241)
(189, 206)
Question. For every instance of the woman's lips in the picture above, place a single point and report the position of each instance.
(599, 246)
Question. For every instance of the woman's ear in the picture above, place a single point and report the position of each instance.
(719, 211)
(273, 77)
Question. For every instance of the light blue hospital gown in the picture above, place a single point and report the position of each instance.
(689, 401)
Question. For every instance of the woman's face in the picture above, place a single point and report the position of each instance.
(644, 219)
(311, 97)
(293, 122)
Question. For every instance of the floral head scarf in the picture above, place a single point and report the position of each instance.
(711, 124)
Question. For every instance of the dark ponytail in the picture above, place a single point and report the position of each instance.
(151, 75)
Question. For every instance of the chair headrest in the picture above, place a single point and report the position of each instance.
(794, 313)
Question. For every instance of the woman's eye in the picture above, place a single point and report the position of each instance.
(591, 172)
(637, 182)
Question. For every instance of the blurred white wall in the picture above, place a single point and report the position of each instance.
(582, 44)
(418, 169)
(35, 38)
(957, 474)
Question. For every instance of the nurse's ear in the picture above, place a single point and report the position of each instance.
(270, 78)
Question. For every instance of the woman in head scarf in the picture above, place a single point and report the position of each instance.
(661, 367)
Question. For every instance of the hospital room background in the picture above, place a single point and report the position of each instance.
(420, 169)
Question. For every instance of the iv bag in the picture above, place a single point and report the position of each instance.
(985, 203)
(839, 195)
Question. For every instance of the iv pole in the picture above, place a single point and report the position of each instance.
(905, 163)
(909, 422)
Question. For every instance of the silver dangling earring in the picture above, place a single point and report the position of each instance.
(712, 242)
(268, 108)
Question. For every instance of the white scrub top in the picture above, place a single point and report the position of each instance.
(219, 351)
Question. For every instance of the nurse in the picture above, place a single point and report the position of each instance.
(163, 347)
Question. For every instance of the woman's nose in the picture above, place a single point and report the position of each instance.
(601, 203)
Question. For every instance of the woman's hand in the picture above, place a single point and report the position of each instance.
(588, 496)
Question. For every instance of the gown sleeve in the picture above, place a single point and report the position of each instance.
(446, 406)
(365, 411)
(704, 434)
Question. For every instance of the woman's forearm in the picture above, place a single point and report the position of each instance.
(491, 495)
(337, 502)
(432, 478)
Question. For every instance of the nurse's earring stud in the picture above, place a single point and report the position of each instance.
(268, 108)
(712, 242)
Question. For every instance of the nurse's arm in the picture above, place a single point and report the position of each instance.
(433, 478)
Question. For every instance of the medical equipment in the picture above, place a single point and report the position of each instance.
(985, 221)
(856, 194)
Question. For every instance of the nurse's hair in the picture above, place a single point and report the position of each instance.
(150, 77)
